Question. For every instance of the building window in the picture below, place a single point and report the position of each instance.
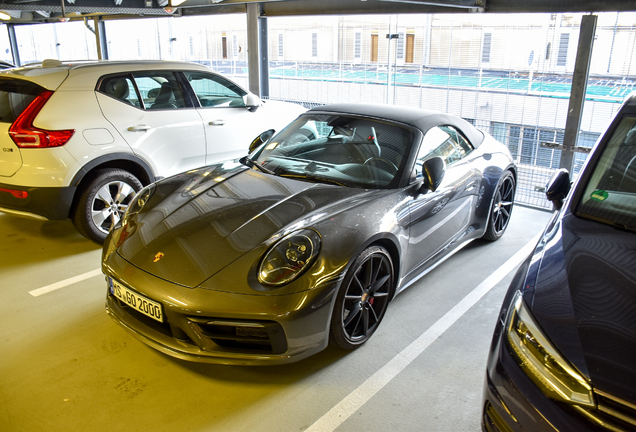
(357, 48)
(524, 143)
(410, 48)
(374, 47)
(485, 52)
(548, 50)
(235, 46)
(281, 52)
(224, 46)
(314, 44)
(399, 48)
(562, 55)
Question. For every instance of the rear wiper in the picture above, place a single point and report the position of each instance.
(245, 160)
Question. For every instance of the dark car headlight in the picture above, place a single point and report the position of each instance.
(541, 361)
(289, 257)
(138, 202)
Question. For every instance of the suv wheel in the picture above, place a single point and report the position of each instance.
(103, 201)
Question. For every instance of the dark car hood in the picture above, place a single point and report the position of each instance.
(585, 301)
(199, 223)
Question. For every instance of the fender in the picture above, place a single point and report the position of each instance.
(110, 161)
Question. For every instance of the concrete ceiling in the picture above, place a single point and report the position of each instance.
(30, 11)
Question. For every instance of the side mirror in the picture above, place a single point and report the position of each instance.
(261, 139)
(433, 171)
(558, 188)
(252, 102)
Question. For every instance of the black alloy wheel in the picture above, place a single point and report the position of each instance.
(363, 298)
(501, 207)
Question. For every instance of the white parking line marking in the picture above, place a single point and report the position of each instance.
(64, 283)
(350, 404)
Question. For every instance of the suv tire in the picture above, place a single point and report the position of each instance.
(102, 202)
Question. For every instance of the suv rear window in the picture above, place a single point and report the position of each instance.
(15, 96)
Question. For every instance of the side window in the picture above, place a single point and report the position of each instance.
(215, 91)
(121, 88)
(459, 139)
(442, 141)
(159, 90)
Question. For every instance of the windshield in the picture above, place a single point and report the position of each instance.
(341, 150)
(610, 195)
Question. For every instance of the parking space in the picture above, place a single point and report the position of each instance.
(64, 365)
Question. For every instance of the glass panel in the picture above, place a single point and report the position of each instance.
(485, 53)
(439, 141)
(15, 96)
(62, 41)
(562, 56)
(344, 150)
(215, 91)
(120, 88)
(528, 146)
(160, 90)
(513, 143)
(544, 155)
(610, 195)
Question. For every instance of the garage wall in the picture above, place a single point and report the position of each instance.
(510, 75)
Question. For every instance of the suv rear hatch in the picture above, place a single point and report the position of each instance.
(16, 94)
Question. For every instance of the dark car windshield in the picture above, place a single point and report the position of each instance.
(610, 194)
(342, 150)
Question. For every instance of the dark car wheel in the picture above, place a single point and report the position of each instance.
(501, 207)
(363, 298)
(103, 201)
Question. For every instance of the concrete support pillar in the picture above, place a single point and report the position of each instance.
(14, 45)
(100, 39)
(579, 87)
(257, 54)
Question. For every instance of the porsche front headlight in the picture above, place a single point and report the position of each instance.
(541, 361)
(289, 257)
(139, 201)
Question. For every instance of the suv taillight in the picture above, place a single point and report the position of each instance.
(25, 135)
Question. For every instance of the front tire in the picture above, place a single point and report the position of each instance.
(103, 201)
(363, 298)
(501, 207)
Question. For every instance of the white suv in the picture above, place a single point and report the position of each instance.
(79, 139)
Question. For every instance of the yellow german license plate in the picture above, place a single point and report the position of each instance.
(135, 300)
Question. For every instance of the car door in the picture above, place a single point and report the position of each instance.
(229, 126)
(440, 218)
(151, 113)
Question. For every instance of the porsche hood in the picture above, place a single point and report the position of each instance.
(203, 220)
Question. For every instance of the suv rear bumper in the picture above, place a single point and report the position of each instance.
(52, 203)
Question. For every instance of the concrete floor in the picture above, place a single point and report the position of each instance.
(65, 366)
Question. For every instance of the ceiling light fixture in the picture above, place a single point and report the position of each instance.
(4, 16)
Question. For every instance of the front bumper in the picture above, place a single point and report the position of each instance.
(209, 326)
(513, 403)
(49, 203)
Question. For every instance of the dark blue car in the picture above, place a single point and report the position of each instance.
(563, 355)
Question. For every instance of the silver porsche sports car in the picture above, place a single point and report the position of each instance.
(306, 240)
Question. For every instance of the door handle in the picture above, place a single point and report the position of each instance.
(217, 123)
(139, 128)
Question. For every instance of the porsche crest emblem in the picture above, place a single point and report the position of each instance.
(158, 257)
